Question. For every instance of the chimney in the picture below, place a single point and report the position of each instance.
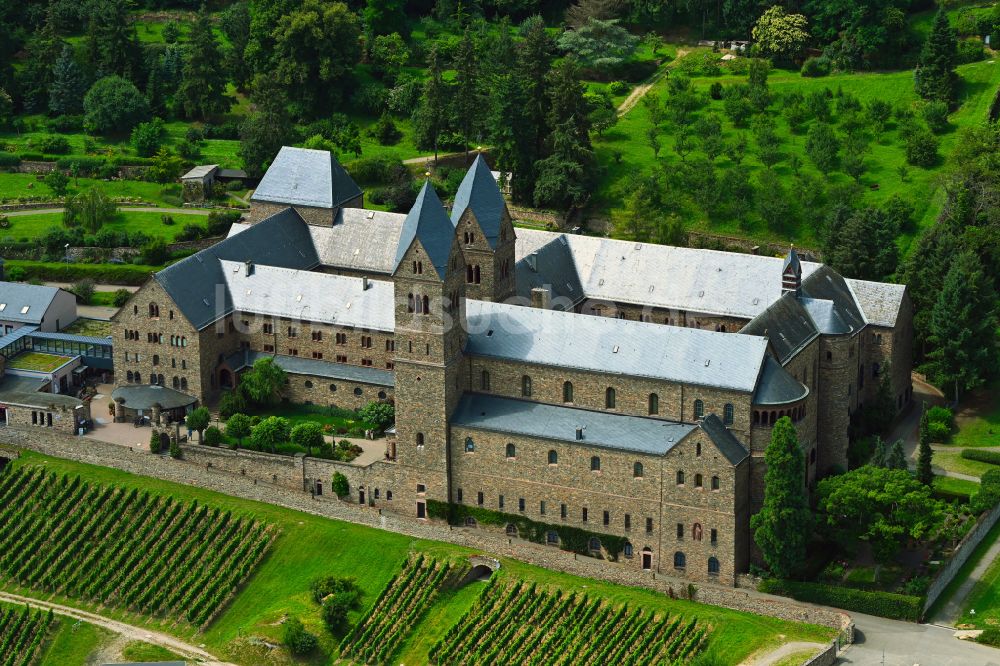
(533, 261)
(579, 433)
(541, 297)
(364, 283)
(248, 267)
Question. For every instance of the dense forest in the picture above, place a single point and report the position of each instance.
(788, 137)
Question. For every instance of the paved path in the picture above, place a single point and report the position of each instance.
(910, 644)
(950, 612)
(137, 209)
(129, 631)
(785, 650)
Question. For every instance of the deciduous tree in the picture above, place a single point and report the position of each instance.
(779, 35)
(263, 382)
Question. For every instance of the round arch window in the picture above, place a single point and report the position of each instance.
(309, 384)
(333, 388)
(358, 391)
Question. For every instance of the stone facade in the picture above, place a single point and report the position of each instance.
(323, 217)
(62, 418)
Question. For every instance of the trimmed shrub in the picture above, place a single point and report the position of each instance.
(941, 415)
(818, 66)
(989, 492)
(883, 604)
(339, 485)
(51, 144)
(939, 432)
(986, 456)
(212, 436)
(617, 88)
(135, 275)
(9, 160)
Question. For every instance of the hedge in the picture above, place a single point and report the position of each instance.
(84, 164)
(570, 538)
(9, 160)
(883, 604)
(992, 457)
(125, 274)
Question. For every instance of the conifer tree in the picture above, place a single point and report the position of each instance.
(431, 116)
(782, 526)
(924, 455)
(897, 456)
(466, 101)
(935, 78)
(68, 85)
(203, 89)
(963, 326)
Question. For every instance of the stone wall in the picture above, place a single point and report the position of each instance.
(961, 556)
(824, 658)
(197, 473)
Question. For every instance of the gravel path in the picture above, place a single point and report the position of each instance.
(128, 631)
(785, 650)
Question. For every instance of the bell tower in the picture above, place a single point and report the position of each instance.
(429, 280)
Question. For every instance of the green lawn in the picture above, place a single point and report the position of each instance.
(963, 573)
(310, 546)
(74, 643)
(953, 461)
(140, 652)
(15, 186)
(979, 420)
(296, 413)
(37, 361)
(35, 226)
(628, 141)
(955, 486)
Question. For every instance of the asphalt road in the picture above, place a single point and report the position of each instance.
(880, 641)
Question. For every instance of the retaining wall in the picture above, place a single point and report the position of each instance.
(824, 658)
(962, 553)
(196, 471)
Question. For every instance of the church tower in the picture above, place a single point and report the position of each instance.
(486, 233)
(429, 280)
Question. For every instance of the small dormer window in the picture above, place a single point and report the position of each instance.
(24, 310)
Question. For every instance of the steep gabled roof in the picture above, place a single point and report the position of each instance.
(880, 301)
(427, 222)
(724, 440)
(825, 283)
(786, 324)
(197, 284)
(303, 177)
(16, 296)
(479, 192)
(792, 265)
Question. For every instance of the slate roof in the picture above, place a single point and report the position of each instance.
(14, 296)
(551, 267)
(312, 296)
(479, 191)
(427, 222)
(880, 301)
(298, 365)
(726, 442)
(200, 171)
(776, 386)
(559, 423)
(304, 177)
(694, 280)
(786, 324)
(197, 284)
(143, 396)
(609, 345)
(825, 316)
(826, 283)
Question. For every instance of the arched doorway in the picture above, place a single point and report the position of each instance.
(225, 378)
(647, 558)
(482, 568)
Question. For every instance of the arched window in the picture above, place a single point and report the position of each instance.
(713, 566)
(477, 274)
(138, 378)
(609, 398)
(680, 478)
(382, 395)
(594, 545)
(484, 380)
(409, 303)
(637, 470)
(629, 551)
(470, 446)
(567, 391)
(308, 384)
(699, 409)
(697, 449)
(727, 414)
(358, 391)
(696, 531)
(470, 521)
(553, 457)
(526, 386)
(715, 482)
(511, 450)
(468, 273)
(654, 403)
(552, 537)
(129, 376)
(511, 530)
(176, 382)
(420, 439)
(697, 481)
(679, 560)
(595, 463)
(427, 306)
(184, 384)
(333, 388)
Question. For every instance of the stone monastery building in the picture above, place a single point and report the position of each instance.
(624, 389)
